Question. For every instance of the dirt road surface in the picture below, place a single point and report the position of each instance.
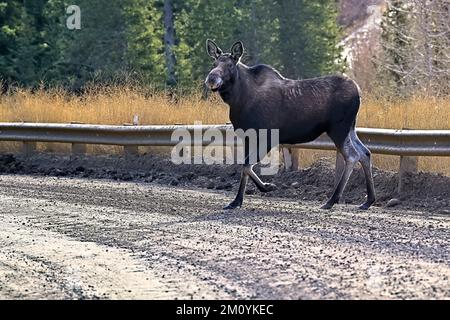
(71, 238)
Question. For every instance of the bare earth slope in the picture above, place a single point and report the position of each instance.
(422, 191)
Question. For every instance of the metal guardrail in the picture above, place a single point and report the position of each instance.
(408, 144)
(381, 141)
(395, 142)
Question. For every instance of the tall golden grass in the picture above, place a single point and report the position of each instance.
(119, 105)
(110, 106)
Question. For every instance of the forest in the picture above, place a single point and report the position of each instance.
(160, 43)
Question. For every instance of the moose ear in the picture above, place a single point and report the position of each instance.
(237, 50)
(213, 50)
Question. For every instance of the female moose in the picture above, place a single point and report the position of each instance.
(261, 98)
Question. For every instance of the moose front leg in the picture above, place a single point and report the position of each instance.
(262, 186)
(237, 202)
(247, 171)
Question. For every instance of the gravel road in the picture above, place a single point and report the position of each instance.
(72, 238)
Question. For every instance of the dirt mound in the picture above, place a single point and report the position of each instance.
(422, 190)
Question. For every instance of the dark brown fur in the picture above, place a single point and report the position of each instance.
(260, 98)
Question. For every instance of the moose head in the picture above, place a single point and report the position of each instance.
(224, 69)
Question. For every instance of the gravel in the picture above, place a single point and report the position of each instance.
(78, 238)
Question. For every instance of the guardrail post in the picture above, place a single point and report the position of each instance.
(287, 158)
(290, 159)
(408, 164)
(295, 153)
(28, 148)
(130, 150)
(78, 148)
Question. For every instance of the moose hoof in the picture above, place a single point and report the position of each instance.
(366, 205)
(327, 206)
(269, 187)
(233, 205)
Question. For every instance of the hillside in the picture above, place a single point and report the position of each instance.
(360, 20)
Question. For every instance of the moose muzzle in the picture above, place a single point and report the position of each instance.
(213, 81)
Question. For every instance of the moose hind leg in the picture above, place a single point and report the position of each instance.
(237, 202)
(351, 156)
(340, 164)
(366, 163)
(339, 168)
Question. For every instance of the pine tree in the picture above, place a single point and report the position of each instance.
(12, 28)
(162, 41)
(197, 21)
(23, 43)
(169, 41)
(119, 41)
(145, 38)
(396, 47)
(309, 38)
(259, 30)
(415, 42)
(297, 36)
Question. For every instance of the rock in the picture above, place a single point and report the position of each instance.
(226, 186)
(270, 187)
(58, 172)
(7, 159)
(393, 202)
(445, 211)
(174, 182)
(126, 177)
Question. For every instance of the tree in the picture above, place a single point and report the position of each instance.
(396, 46)
(259, 30)
(24, 48)
(161, 41)
(169, 41)
(297, 36)
(145, 40)
(11, 29)
(309, 38)
(197, 21)
(415, 41)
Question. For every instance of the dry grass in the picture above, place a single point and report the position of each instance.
(110, 106)
(413, 113)
(119, 105)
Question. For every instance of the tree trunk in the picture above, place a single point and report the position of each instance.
(254, 20)
(169, 42)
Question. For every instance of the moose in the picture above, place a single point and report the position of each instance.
(259, 97)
